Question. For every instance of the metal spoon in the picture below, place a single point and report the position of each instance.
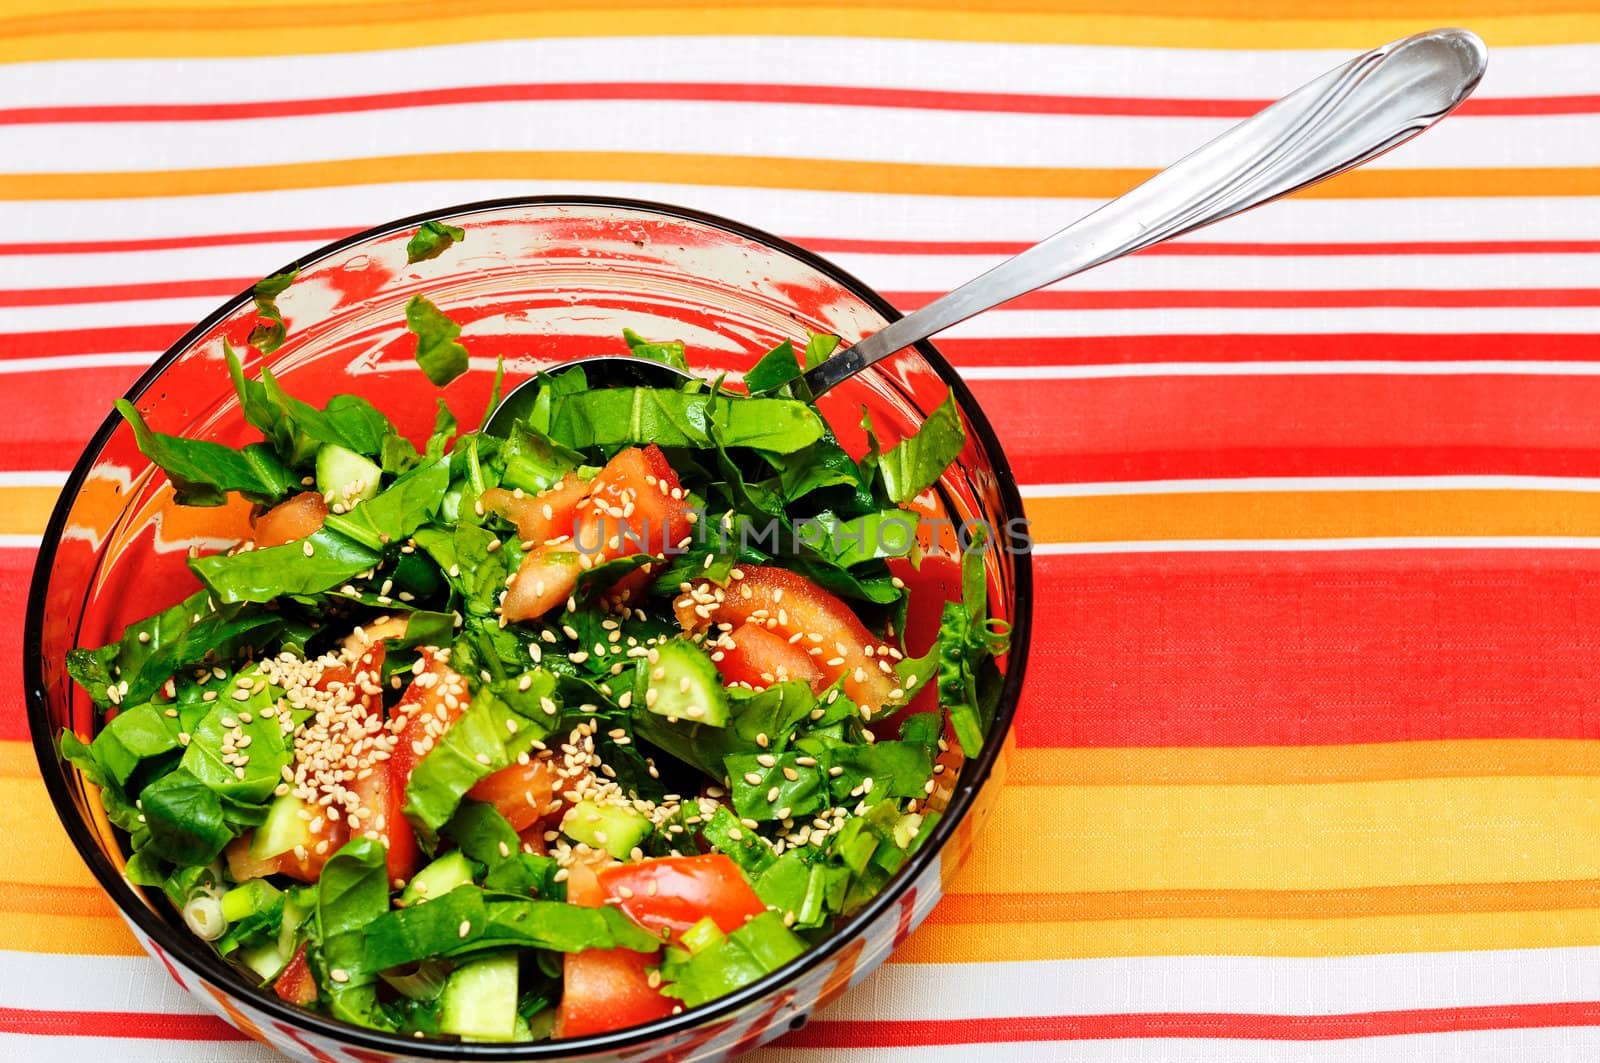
(1344, 118)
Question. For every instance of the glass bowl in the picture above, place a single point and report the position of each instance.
(537, 281)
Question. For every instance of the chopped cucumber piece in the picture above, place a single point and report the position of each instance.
(702, 935)
(264, 959)
(480, 1000)
(612, 828)
(438, 878)
(283, 829)
(243, 901)
(345, 477)
(684, 685)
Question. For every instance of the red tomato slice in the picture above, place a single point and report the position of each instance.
(604, 989)
(532, 840)
(608, 989)
(309, 867)
(295, 983)
(673, 893)
(521, 792)
(386, 821)
(936, 582)
(290, 520)
(787, 603)
(758, 658)
(430, 705)
(629, 508)
(546, 515)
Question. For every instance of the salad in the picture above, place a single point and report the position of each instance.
(545, 733)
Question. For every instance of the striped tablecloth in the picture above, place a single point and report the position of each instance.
(1309, 764)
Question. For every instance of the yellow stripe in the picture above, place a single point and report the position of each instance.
(1071, 838)
(1314, 515)
(281, 29)
(1367, 762)
(1075, 838)
(753, 171)
(937, 943)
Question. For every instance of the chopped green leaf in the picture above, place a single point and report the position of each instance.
(915, 463)
(442, 358)
(430, 240)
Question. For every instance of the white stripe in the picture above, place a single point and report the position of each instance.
(77, 361)
(913, 272)
(803, 131)
(863, 62)
(1268, 985)
(55, 1049)
(1313, 483)
(32, 478)
(19, 542)
(1562, 1045)
(1417, 542)
(799, 212)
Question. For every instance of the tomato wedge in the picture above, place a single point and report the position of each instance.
(291, 520)
(520, 792)
(546, 515)
(758, 658)
(604, 989)
(608, 989)
(295, 983)
(786, 604)
(673, 893)
(630, 508)
(429, 706)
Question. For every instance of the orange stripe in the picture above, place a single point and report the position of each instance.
(77, 935)
(757, 172)
(1369, 762)
(28, 898)
(1315, 514)
(208, 29)
(1007, 908)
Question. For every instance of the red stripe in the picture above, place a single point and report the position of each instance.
(157, 1027)
(1293, 299)
(1185, 427)
(827, 95)
(909, 1033)
(1312, 648)
(1270, 347)
(914, 1032)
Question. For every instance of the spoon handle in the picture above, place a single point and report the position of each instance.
(1344, 118)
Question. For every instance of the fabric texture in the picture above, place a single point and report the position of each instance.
(1309, 754)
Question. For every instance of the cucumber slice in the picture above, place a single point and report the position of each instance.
(283, 829)
(438, 878)
(243, 901)
(345, 477)
(684, 685)
(610, 827)
(480, 1000)
(265, 960)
